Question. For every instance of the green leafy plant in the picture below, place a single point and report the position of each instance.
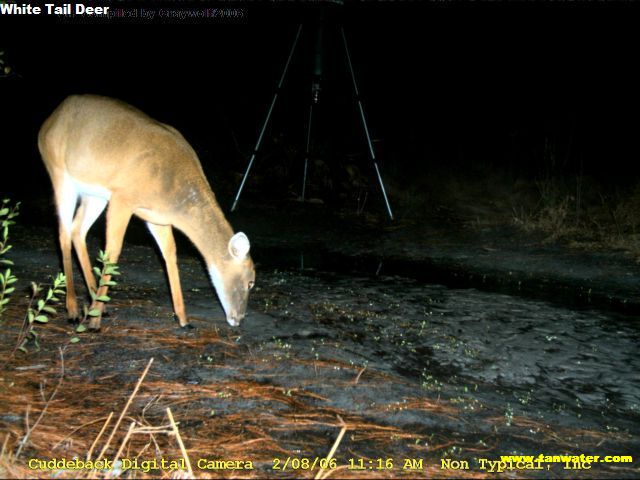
(38, 310)
(7, 214)
(39, 307)
(108, 269)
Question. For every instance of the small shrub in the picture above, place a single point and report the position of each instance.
(38, 310)
(7, 214)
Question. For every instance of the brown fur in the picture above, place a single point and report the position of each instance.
(151, 171)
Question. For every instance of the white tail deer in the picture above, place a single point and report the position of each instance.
(101, 151)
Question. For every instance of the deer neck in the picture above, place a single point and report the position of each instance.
(205, 225)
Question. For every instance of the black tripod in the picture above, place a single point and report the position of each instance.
(315, 92)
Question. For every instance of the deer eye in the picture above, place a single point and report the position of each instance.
(251, 284)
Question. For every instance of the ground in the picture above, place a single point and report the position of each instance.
(429, 339)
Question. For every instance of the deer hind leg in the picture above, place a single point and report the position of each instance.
(89, 210)
(66, 198)
(118, 216)
(164, 237)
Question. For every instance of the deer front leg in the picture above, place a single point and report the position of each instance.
(167, 245)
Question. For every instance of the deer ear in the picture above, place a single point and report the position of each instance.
(239, 246)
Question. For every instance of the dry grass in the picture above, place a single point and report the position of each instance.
(135, 408)
(102, 417)
(586, 219)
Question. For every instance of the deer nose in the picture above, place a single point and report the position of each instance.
(234, 319)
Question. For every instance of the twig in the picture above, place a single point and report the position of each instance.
(75, 430)
(182, 449)
(23, 442)
(133, 394)
(151, 430)
(155, 399)
(355, 382)
(27, 427)
(124, 442)
(143, 450)
(4, 445)
(95, 442)
(158, 449)
(21, 335)
(332, 471)
(333, 450)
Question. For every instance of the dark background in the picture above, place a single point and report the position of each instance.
(446, 86)
(466, 101)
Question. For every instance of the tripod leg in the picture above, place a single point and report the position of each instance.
(306, 155)
(266, 120)
(364, 125)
